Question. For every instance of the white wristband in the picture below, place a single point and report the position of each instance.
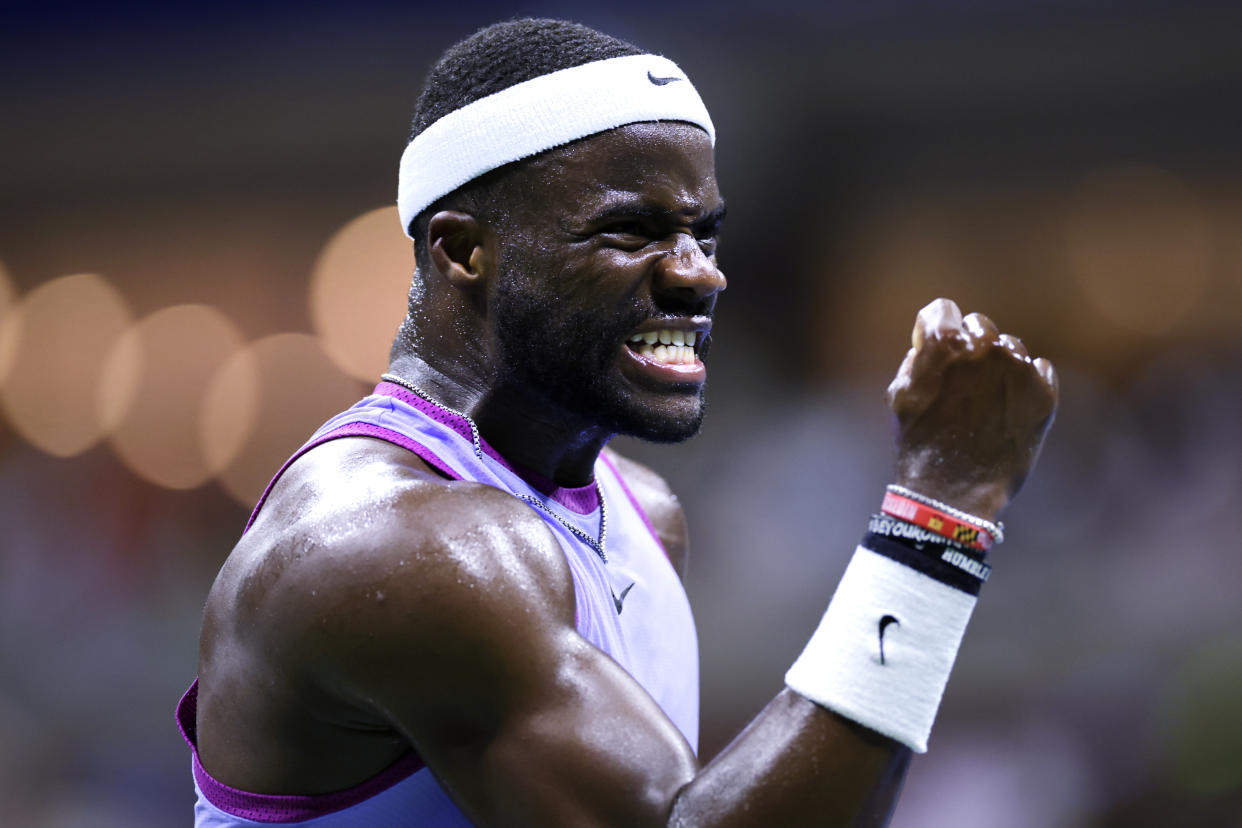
(884, 649)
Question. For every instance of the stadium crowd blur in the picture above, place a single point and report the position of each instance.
(199, 262)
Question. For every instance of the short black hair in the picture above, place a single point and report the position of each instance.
(492, 59)
(506, 54)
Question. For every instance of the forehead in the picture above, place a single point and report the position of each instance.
(669, 165)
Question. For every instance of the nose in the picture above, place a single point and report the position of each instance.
(687, 271)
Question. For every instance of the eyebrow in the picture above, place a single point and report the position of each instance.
(638, 209)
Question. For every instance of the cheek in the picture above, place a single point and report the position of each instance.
(579, 285)
(532, 263)
(615, 277)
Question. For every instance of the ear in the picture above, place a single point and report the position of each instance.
(460, 248)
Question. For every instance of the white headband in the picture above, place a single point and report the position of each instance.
(539, 114)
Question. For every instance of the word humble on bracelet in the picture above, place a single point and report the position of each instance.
(942, 519)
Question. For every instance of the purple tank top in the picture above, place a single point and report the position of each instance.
(652, 637)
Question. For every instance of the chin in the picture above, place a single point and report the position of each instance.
(671, 422)
(667, 433)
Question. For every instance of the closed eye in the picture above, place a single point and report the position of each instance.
(634, 227)
(627, 234)
(708, 234)
(626, 228)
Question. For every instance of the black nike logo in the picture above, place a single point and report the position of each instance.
(660, 81)
(884, 623)
(620, 601)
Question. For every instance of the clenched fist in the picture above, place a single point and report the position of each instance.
(972, 410)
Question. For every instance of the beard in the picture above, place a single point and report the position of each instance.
(565, 352)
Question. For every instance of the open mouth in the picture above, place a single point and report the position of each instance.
(666, 346)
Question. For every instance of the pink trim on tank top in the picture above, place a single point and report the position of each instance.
(282, 808)
(399, 439)
(357, 430)
(581, 500)
(634, 502)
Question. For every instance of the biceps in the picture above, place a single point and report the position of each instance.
(582, 744)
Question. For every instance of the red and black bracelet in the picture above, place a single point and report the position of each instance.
(940, 518)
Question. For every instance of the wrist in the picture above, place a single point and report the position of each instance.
(883, 652)
(884, 649)
(983, 500)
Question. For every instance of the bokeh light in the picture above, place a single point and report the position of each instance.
(263, 403)
(229, 408)
(1140, 244)
(359, 289)
(153, 387)
(1224, 313)
(68, 326)
(8, 322)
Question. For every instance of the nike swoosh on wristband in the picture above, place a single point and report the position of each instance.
(620, 601)
(660, 81)
(884, 623)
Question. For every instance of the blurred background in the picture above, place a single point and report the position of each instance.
(200, 261)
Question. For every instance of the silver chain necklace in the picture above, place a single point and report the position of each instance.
(597, 545)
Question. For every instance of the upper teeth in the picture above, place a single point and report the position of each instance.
(667, 336)
(667, 346)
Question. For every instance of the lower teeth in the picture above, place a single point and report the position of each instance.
(667, 354)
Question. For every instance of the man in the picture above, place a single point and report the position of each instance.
(454, 606)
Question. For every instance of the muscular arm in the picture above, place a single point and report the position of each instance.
(473, 655)
(468, 646)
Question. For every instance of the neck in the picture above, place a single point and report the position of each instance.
(540, 437)
(527, 431)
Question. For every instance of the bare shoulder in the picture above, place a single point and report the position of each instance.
(381, 584)
(661, 505)
(379, 515)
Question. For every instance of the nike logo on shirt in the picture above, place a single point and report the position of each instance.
(621, 601)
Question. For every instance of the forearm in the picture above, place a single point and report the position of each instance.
(833, 748)
(880, 659)
(796, 764)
